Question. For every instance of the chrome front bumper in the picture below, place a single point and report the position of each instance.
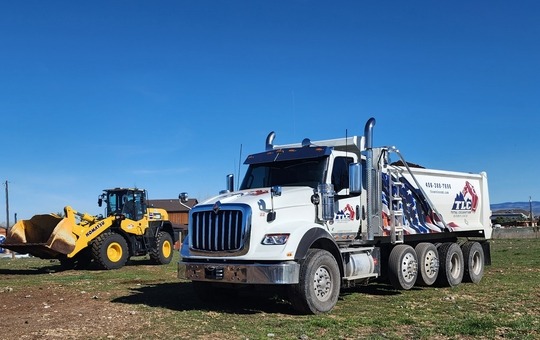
(280, 273)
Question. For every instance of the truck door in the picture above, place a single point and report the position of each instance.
(347, 219)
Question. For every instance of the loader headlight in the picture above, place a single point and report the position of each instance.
(275, 239)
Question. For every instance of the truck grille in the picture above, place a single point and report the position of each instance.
(224, 230)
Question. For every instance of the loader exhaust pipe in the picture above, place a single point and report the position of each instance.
(370, 177)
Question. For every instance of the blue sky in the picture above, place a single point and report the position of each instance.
(162, 94)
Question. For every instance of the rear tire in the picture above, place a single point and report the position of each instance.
(402, 267)
(164, 249)
(110, 250)
(428, 263)
(473, 256)
(320, 282)
(451, 265)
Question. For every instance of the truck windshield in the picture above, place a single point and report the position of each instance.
(305, 172)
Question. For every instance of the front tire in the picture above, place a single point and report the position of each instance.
(164, 249)
(110, 250)
(402, 267)
(473, 256)
(451, 266)
(318, 289)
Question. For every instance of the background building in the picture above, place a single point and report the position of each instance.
(178, 213)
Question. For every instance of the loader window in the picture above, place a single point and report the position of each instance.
(113, 204)
(129, 209)
(129, 203)
(133, 206)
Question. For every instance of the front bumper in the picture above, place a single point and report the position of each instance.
(255, 273)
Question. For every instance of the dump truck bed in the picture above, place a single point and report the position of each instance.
(462, 199)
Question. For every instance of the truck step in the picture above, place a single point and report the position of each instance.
(358, 277)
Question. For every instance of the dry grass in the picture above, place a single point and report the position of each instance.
(38, 300)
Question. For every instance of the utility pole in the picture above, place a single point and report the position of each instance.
(530, 211)
(7, 207)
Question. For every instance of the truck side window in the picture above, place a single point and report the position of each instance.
(340, 173)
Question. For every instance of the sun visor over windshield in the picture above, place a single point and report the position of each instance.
(288, 154)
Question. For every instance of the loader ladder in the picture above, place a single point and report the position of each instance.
(395, 205)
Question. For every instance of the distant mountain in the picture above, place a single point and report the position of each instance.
(518, 206)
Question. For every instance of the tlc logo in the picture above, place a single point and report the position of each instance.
(467, 199)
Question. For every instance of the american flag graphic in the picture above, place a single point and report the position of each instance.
(418, 218)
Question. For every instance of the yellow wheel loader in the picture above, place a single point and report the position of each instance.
(130, 228)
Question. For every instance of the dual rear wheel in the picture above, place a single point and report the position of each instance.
(447, 264)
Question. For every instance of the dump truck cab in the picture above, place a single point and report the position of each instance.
(320, 215)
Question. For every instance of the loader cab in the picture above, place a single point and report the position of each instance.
(128, 203)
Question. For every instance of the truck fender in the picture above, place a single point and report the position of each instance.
(320, 239)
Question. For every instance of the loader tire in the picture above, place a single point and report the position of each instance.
(110, 251)
(163, 252)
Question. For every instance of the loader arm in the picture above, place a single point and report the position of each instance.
(86, 232)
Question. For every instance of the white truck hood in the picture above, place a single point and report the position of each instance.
(259, 199)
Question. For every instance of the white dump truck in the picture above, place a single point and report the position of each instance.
(317, 216)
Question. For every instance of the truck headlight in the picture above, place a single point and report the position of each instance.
(275, 239)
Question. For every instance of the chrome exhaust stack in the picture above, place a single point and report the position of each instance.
(270, 141)
(371, 180)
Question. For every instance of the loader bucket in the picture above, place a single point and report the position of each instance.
(43, 236)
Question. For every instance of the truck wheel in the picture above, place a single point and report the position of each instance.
(318, 288)
(110, 251)
(451, 266)
(428, 263)
(163, 252)
(402, 267)
(473, 256)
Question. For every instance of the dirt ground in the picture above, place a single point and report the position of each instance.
(78, 305)
(52, 312)
(71, 307)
